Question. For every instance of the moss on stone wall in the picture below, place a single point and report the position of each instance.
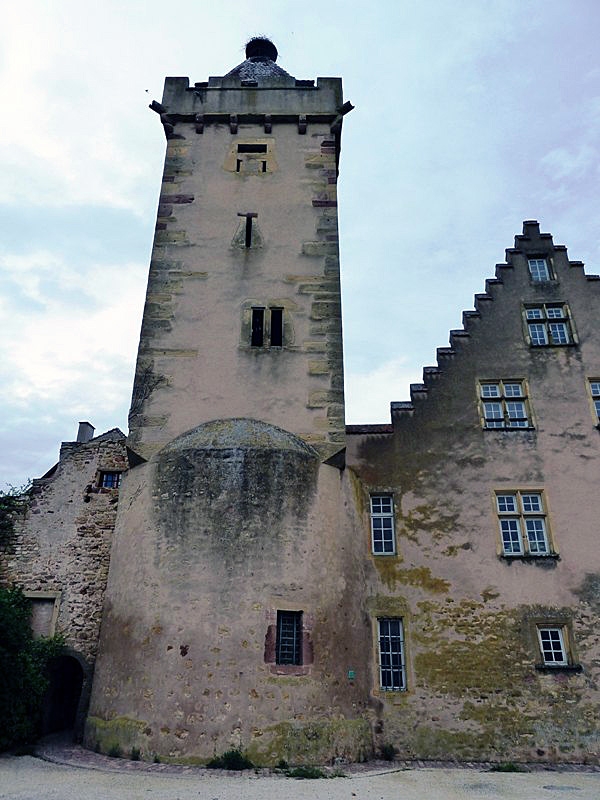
(312, 743)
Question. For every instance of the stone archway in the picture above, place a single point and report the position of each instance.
(63, 696)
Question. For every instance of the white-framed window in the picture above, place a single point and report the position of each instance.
(549, 324)
(504, 404)
(539, 270)
(383, 539)
(392, 668)
(594, 384)
(288, 645)
(552, 646)
(522, 523)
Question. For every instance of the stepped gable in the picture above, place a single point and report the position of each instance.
(530, 243)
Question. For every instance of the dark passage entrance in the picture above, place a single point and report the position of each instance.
(62, 697)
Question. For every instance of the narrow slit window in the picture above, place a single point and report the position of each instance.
(238, 165)
(276, 327)
(252, 148)
(258, 327)
(264, 166)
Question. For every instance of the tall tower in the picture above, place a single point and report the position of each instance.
(222, 623)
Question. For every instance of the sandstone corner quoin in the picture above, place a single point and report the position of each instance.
(243, 570)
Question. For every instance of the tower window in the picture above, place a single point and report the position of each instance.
(276, 327)
(288, 648)
(252, 148)
(258, 327)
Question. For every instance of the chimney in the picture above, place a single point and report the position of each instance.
(85, 432)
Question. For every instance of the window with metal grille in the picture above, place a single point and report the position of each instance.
(288, 647)
(552, 646)
(504, 404)
(392, 672)
(522, 521)
(539, 270)
(382, 524)
(110, 480)
(549, 324)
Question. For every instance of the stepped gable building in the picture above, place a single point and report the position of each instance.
(282, 583)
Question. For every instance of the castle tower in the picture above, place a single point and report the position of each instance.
(227, 620)
(242, 315)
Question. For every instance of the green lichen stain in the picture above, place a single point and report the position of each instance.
(427, 519)
(390, 573)
(121, 732)
(312, 743)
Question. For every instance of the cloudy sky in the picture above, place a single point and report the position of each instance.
(470, 117)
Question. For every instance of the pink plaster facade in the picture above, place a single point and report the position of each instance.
(438, 575)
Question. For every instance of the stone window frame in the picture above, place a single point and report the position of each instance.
(306, 647)
(542, 317)
(55, 597)
(397, 654)
(505, 399)
(520, 514)
(540, 269)
(379, 541)
(246, 158)
(274, 304)
(563, 628)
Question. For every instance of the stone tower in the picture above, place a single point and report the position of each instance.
(227, 566)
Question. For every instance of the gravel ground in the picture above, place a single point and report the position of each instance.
(76, 774)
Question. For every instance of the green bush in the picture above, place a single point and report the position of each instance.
(231, 759)
(23, 663)
(114, 751)
(506, 766)
(135, 753)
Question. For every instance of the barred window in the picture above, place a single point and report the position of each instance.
(392, 670)
(288, 647)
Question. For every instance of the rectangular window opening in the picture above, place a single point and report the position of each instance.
(110, 480)
(383, 539)
(392, 670)
(549, 324)
(522, 522)
(595, 392)
(238, 165)
(277, 327)
(252, 148)
(539, 270)
(258, 327)
(552, 646)
(288, 647)
(504, 404)
(264, 166)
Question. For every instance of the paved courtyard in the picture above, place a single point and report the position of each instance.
(86, 776)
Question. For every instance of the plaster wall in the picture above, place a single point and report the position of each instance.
(475, 689)
(232, 535)
(195, 351)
